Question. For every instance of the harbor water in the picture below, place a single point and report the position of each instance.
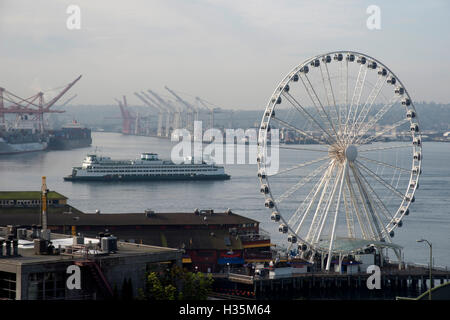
(429, 217)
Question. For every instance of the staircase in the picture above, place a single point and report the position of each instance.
(98, 276)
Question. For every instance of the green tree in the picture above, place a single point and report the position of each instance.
(177, 284)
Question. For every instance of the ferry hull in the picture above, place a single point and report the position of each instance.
(148, 178)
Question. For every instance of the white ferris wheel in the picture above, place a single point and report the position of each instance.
(350, 157)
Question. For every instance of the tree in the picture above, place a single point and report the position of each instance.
(177, 284)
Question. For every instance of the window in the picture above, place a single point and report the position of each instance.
(46, 286)
(7, 285)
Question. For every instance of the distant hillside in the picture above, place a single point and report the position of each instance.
(432, 116)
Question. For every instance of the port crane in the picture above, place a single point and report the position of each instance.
(69, 100)
(128, 120)
(173, 112)
(191, 111)
(154, 105)
(34, 105)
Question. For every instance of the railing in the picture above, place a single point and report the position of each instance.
(240, 277)
(425, 266)
(257, 255)
(253, 237)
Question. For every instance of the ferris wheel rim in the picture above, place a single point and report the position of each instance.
(265, 123)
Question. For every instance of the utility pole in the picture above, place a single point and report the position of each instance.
(431, 265)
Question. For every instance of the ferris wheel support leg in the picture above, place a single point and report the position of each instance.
(399, 257)
(322, 261)
(335, 217)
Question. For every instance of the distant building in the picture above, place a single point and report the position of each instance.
(20, 199)
(29, 275)
(211, 241)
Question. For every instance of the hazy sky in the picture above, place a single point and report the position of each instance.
(230, 52)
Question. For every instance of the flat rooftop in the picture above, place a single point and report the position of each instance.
(125, 250)
(61, 216)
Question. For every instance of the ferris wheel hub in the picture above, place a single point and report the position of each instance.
(351, 152)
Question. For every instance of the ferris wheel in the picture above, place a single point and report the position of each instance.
(350, 158)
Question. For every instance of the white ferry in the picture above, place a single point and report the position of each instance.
(148, 167)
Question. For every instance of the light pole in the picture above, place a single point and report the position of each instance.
(431, 264)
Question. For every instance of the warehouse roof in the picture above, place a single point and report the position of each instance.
(62, 216)
(30, 195)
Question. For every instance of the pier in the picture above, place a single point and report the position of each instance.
(409, 282)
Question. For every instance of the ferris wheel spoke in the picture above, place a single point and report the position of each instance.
(384, 164)
(299, 212)
(379, 115)
(352, 111)
(359, 87)
(343, 71)
(333, 231)
(319, 212)
(317, 101)
(298, 166)
(354, 202)
(317, 232)
(301, 183)
(329, 92)
(303, 110)
(305, 207)
(380, 180)
(368, 105)
(385, 148)
(382, 206)
(319, 141)
(367, 207)
(379, 134)
(374, 204)
(348, 215)
(301, 149)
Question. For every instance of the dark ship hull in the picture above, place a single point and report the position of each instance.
(70, 138)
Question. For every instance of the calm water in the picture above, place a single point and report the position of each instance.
(429, 218)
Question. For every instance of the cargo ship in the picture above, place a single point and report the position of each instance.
(148, 167)
(23, 140)
(70, 136)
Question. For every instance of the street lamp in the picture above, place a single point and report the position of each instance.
(431, 264)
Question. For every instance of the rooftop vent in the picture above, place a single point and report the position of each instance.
(108, 244)
(149, 213)
(207, 211)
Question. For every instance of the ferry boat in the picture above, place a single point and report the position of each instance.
(148, 167)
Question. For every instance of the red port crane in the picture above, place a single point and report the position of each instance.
(34, 105)
(128, 119)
